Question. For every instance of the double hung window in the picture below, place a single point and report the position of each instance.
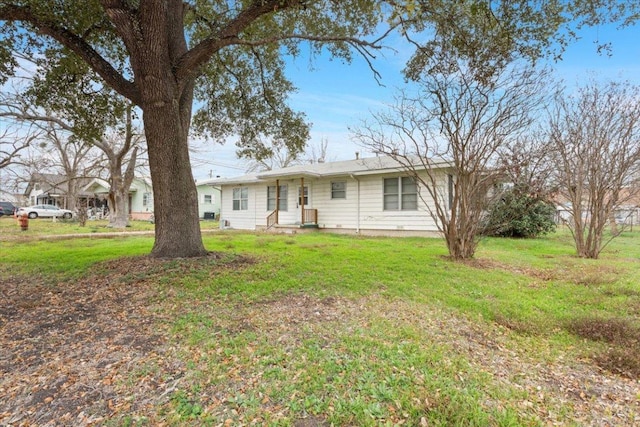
(400, 193)
(241, 199)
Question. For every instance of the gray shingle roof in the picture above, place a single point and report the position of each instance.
(372, 165)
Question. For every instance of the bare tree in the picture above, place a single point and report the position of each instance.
(273, 156)
(60, 153)
(318, 152)
(596, 135)
(17, 134)
(11, 144)
(282, 157)
(446, 137)
(121, 151)
(72, 147)
(527, 162)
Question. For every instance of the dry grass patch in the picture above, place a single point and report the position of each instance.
(622, 356)
(612, 331)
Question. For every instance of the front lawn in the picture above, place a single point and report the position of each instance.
(319, 330)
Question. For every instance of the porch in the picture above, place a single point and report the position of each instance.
(307, 217)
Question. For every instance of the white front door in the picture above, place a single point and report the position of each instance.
(302, 202)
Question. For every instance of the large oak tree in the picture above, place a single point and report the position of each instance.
(163, 55)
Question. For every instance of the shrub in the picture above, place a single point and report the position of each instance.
(519, 214)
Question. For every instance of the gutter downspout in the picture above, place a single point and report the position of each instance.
(358, 202)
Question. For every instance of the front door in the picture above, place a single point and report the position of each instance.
(302, 202)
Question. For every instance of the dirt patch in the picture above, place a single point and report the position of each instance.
(82, 352)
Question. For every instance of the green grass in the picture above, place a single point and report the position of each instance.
(358, 331)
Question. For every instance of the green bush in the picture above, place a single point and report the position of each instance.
(518, 213)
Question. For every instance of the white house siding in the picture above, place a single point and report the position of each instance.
(240, 219)
(288, 216)
(203, 205)
(139, 209)
(374, 217)
(336, 213)
(361, 210)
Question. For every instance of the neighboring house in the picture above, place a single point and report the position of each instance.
(368, 196)
(208, 200)
(53, 189)
(628, 211)
(140, 196)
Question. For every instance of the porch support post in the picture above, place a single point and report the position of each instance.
(302, 200)
(277, 199)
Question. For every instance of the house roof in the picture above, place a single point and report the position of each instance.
(100, 186)
(53, 184)
(357, 167)
(97, 185)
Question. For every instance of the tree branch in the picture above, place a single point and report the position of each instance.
(76, 44)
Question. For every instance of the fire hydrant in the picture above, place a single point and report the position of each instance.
(23, 220)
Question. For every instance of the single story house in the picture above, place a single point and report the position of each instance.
(627, 212)
(53, 189)
(208, 200)
(368, 196)
(141, 198)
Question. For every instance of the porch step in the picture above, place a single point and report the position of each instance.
(309, 226)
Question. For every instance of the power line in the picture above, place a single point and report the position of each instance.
(214, 163)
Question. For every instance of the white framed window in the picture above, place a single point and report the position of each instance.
(208, 199)
(339, 190)
(400, 193)
(283, 204)
(241, 199)
(147, 199)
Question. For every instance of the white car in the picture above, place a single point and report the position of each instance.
(45, 211)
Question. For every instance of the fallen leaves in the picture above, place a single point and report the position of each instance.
(101, 348)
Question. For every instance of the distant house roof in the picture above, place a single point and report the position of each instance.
(100, 186)
(53, 184)
(357, 167)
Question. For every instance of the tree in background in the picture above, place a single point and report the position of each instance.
(63, 161)
(595, 133)
(281, 157)
(446, 136)
(67, 139)
(120, 148)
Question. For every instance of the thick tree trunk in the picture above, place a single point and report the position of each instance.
(119, 205)
(175, 199)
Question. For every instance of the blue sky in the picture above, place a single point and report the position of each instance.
(335, 95)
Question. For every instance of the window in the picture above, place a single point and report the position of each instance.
(241, 199)
(147, 199)
(302, 191)
(339, 190)
(271, 198)
(400, 194)
(208, 199)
